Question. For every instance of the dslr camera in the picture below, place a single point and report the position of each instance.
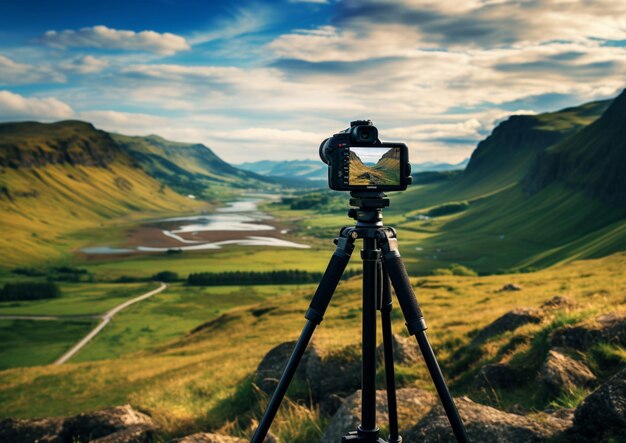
(358, 161)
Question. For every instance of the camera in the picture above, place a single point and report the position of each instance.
(358, 161)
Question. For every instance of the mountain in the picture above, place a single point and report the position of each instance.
(306, 169)
(540, 190)
(318, 171)
(594, 160)
(189, 168)
(67, 176)
(505, 156)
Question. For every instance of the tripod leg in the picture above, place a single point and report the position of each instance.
(314, 316)
(417, 326)
(390, 377)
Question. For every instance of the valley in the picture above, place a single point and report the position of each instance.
(106, 217)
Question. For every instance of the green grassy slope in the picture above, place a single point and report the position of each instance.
(503, 226)
(62, 178)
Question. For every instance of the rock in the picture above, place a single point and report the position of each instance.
(575, 337)
(604, 410)
(121, 424)
(334, 376)
(45, 430)
(498, 376)
(509, 322)
(510, 287)
(613, 328)
(94, 425)
(271, 368)
(486, 424)
(205, 437)
(562, 373)
(405, 351)
(559, 302)
(413, 404)
(609, 327)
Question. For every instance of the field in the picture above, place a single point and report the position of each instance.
(184, 379)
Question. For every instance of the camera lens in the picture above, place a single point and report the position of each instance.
(365, 135)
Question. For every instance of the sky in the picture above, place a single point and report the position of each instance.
(270, 80)
(370, 155)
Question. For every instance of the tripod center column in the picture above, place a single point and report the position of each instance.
(371, 256)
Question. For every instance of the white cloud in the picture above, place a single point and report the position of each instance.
(108, 38)
(15, 73)
(244, 21)
(15, 106)
(86, 64)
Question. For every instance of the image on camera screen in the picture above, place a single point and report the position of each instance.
(374, 166)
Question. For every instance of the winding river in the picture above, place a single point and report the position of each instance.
(237, 219)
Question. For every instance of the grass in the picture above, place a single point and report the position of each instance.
(183, 382)
(30, 343)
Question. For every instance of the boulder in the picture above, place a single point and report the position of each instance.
(609, 327)
(510, 287)
(486, 424)
(94, 425)
(498, 376)
(413, 404)
(271, 368)
(205, 437)
(334, 376)
(559, 302)
(121, 424)
(508, 322)
(604, 410)
(45, 430)
(561, 372)
(405, 351)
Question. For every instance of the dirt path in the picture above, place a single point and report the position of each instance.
(106, 318)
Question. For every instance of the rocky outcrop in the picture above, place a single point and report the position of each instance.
(509, 287)
(610, 328)
(405, 351)
(121, 424)
(413, 404)
(486, 424)
(498, 376)
(562, 373)
(508, 322)
(271, 368)
(333, 376)
(604, 410)
(558, 302)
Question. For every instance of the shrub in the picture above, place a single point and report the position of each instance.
(29, 291)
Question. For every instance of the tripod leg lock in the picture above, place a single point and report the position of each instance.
(332, 276)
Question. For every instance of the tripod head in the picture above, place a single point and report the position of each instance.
(369, 208)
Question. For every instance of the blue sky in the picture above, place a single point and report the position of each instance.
(270, 80)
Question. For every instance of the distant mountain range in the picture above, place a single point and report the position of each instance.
(316, 170)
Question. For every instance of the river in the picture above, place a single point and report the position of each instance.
(237, 219)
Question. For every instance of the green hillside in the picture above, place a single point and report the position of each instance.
(592, 161)
(57, 179)
(501, 224)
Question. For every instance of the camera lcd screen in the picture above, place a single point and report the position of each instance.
(374, 166)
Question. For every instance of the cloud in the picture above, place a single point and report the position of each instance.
(244, 21)
(107, 38)
(15, 106)
(14, 73)
(86, 64)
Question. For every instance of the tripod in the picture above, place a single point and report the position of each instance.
(382, 267)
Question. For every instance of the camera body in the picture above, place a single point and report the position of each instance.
(358, 161)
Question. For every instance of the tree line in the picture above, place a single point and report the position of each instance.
(289, 276)
(29, 291)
